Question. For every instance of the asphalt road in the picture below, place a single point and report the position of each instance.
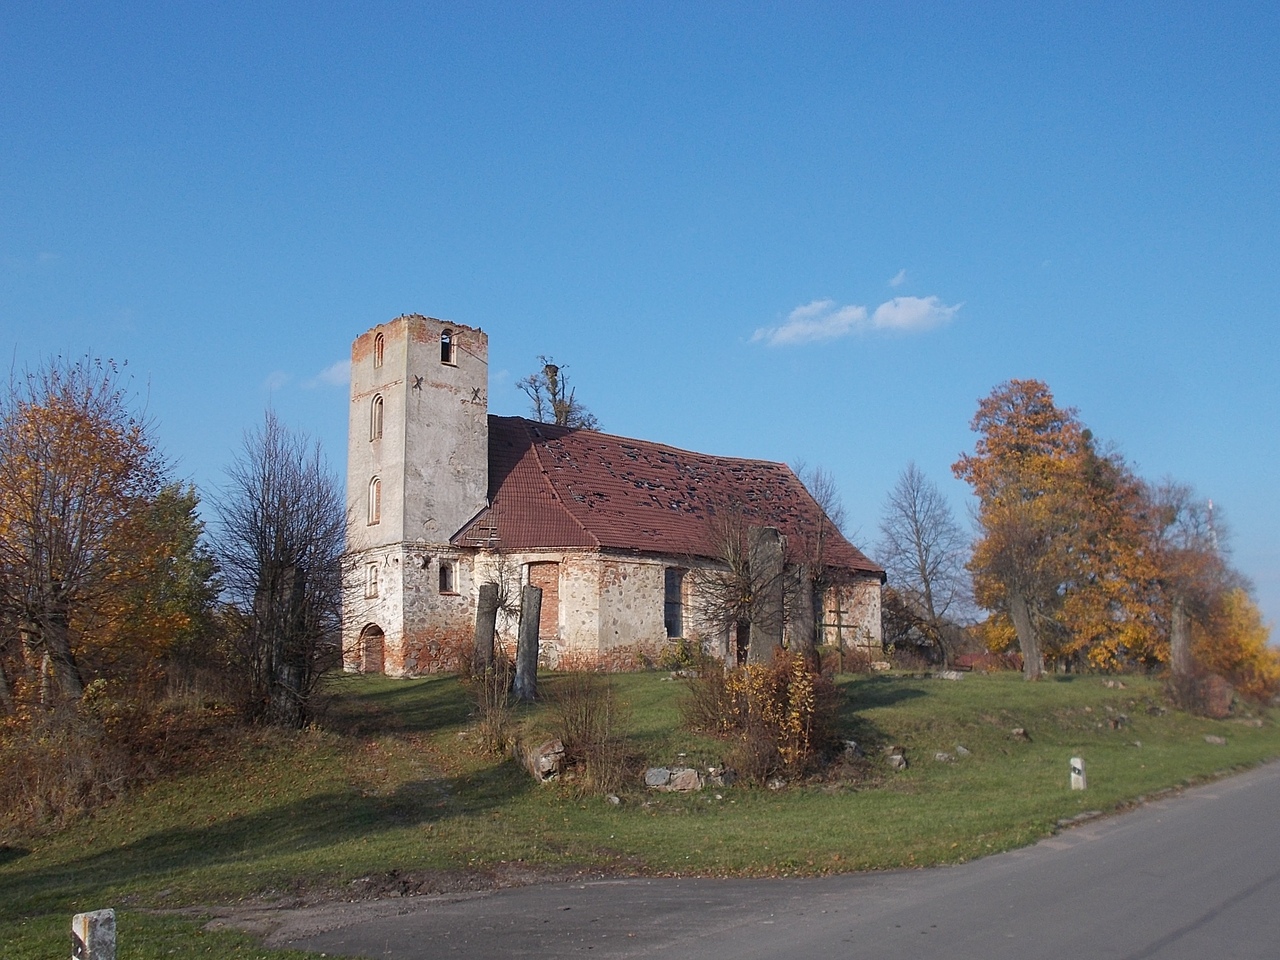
(1190, 877)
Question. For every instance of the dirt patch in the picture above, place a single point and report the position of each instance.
(279, 917)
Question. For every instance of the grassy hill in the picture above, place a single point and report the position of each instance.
(394, 794)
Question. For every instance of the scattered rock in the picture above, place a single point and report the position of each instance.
(614, 800)
(962, 750)
(1138, 744)
(657, 777)
(1250, 721)
(948, 675)
(944, 757)
(1155, 710)
(546, 761)
(777, 783)
(685, 780)
(673, 779)
(852, 751)
(1215, 741)
(1114, 684)
(1118, 721)
(897, 761)
(1020, 733)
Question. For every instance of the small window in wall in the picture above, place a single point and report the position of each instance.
(375, 419)
(447, 584)
(448, 349)
(379, 347)
(371, 580)
(673, 596)
(375, 500)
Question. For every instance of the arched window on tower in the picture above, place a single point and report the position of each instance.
(448, 349)
(375, 500)
(447, 584)
(379, 347)
(375, 418)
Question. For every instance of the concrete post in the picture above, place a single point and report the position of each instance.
(93, 935)
(486, 626)
(526, 684)
(766, 565)
(1078, 781)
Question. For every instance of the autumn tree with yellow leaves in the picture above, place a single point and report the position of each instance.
(1085, 563)
(100, 562)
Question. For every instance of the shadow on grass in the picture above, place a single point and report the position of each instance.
(866, 693)
(360, 706)
(10, 854)
(256, 839)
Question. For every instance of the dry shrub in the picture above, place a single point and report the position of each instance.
(1201, 693)
(778, 717)
(588, 720)
(59, 764)
(495, 708)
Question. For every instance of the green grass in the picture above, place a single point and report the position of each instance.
(392, 793)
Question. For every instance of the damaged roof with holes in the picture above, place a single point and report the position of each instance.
(553, 487)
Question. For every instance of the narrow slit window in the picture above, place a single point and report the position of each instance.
(371, 580)
(375, 500)
(375, 419)
(448, 349)
(673, 606)
(379, 347)
(446, 577)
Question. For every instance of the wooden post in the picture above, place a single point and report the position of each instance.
(486, 627)
(526, 685)
(93, 935)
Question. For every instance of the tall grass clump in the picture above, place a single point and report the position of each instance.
(589, 720)
(494, 705)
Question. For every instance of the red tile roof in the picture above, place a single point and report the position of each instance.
(552, 487)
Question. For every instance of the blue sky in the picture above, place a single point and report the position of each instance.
(811, 232)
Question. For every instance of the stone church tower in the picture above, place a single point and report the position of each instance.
(417, 471)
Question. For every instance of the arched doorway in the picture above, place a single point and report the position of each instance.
(371, 649)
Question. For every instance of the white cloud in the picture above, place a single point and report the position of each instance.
(911, 314)
(899, 278)
(335, 375)
(824, 320)
(819, 320)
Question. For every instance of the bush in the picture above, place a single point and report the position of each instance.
(778, 717)
(588, 720)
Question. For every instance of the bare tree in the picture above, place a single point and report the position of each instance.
(923, 549)
(282, 519)
(813, 578)
(552, 400)
(749, 592)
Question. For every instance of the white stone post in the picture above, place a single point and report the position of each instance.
(1078, 781)
(93, 935)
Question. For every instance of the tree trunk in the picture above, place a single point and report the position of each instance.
(1020, 613)
(6, 694)
(55, 630)
(486, 627)
(766, 565)
(526, 683)
(1180, 660)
